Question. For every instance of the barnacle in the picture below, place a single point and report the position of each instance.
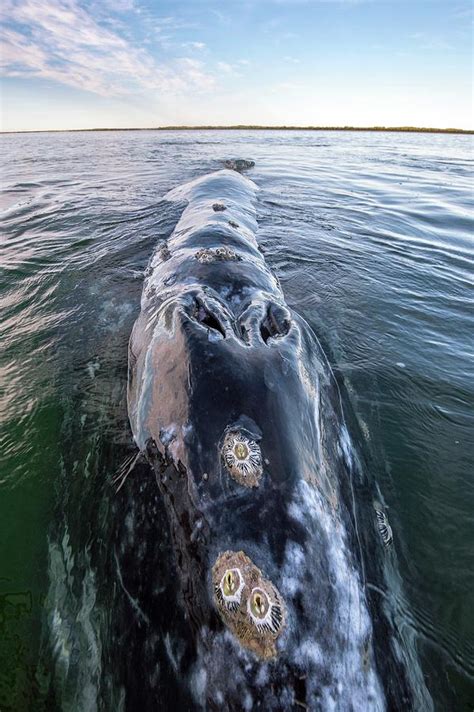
(229, 590)
(385, 530)
(264, 613)
(243, 459)
(248, 603)
(207, 255)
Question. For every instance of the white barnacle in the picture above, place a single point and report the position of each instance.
(229, 589)
(384, 527)
(243, 459)
(265, 614)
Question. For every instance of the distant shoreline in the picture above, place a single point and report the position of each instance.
(395, 129)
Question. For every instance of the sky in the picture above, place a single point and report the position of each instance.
(136, 63)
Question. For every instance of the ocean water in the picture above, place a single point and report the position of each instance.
(371, 236)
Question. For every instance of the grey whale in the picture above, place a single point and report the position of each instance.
(234, 405)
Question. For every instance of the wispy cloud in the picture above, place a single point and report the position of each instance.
(62, 41)
(316, 2)
(195, 45)
(195, 73)
(464, 12)
(428, 41)
(235, 69)
(225, 67)
(221, 17)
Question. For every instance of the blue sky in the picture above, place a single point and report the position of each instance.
(122, 63)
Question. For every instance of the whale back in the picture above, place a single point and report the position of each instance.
(220, 369)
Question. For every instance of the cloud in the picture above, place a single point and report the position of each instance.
(315, 2)
(232, 69)
(221, 17)
(225, 67)
(464, 12)
(427, 41)
(121, 5)
(195, 73)
(195, 45)
(60, 40)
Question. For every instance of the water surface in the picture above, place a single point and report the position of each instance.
(371, 237)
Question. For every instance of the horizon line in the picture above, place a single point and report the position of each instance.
(250, 127)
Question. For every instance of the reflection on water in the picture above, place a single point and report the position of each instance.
(371, 239)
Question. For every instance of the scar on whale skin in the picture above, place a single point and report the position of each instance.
(243, 459)
(249, 604)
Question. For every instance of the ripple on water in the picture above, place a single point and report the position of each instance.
(371, 238)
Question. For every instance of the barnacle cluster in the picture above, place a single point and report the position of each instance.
(164, 252)
(248, 603)
(219, 254)
(243, 459)
(239, 164)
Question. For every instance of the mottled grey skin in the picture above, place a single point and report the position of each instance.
(216, 347)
